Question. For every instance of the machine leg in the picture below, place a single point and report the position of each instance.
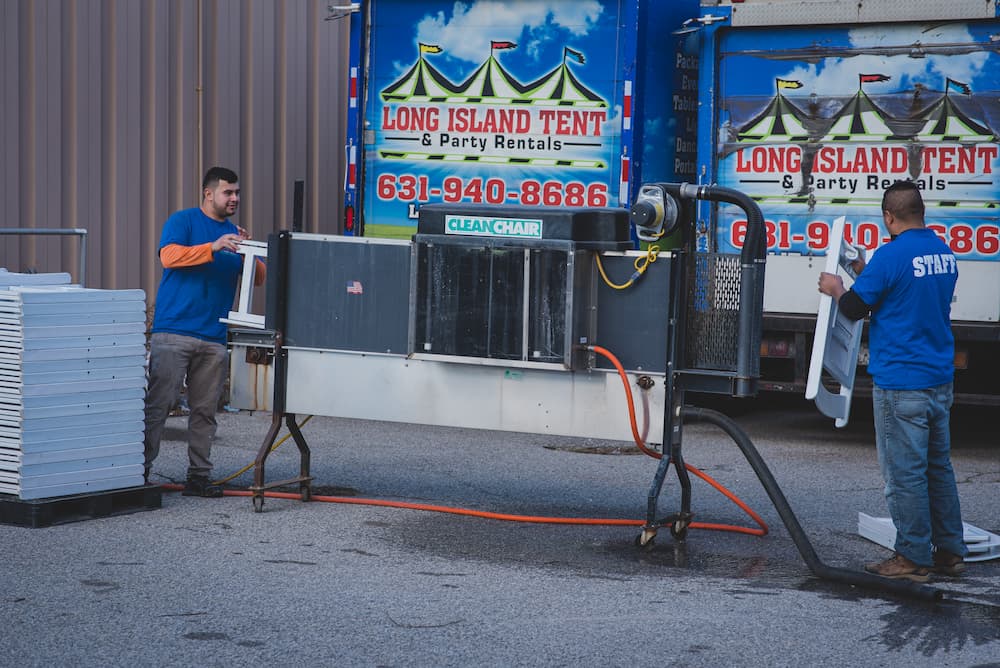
(258, 465)
(305, 486)
(649, 529)
(304, 480)
(681, 520)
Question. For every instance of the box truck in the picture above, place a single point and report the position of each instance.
(812, 108)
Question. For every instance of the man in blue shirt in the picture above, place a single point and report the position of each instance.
(907, 287)
(201, 271)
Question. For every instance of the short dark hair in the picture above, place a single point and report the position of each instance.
(216, 174)
(902, 199)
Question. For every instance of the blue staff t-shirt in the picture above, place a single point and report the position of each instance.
(909, 284)
(191, 300)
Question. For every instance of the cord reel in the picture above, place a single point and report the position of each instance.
(655, 213)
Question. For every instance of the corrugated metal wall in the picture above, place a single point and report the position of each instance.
(111, 110)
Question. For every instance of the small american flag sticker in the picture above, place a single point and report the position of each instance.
(355, 288)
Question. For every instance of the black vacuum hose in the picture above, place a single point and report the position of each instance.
(821, 570)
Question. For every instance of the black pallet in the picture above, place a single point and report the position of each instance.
(38, 513)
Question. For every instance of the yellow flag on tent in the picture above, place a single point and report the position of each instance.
(787, 83)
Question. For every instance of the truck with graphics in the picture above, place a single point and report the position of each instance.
(814, 108)
(810, 107)
(532, 102)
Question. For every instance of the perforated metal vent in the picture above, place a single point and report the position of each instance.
(713, 312)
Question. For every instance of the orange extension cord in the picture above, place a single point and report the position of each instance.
(535, 519)
(762, 531)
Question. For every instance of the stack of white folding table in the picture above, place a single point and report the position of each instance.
(981, 544)
(72, 381)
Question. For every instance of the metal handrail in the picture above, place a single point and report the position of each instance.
(57, 231)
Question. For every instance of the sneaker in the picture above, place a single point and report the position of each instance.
(899, 566)
(198, 485)
(947, 563)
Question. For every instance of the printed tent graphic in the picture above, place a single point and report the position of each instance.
(944, 121)
(491, 80)
(490, 83)
(421, 83)
(561, 86)
(858, 120)
(780, 121)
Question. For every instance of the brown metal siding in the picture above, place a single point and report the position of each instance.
(111, 110)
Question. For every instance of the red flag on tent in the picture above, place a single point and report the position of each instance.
(872, 78)
(502, 45)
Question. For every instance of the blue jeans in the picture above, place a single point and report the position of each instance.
(914, 452)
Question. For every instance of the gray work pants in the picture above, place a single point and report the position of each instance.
(173, 357)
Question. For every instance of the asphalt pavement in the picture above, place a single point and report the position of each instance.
(211, 582)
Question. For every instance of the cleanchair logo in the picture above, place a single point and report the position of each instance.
(493, 227)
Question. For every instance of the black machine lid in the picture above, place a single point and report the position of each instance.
(593, 228)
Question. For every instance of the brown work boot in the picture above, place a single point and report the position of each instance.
(899, 566)
(947, 563)
(199, 485)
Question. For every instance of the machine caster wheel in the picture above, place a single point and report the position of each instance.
(306, 493)
(646, 539)
(258, 504)
(678, 532)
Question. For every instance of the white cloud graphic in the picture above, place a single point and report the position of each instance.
(839, 76)
(467, 34)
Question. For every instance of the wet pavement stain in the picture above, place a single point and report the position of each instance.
(251, 643)
(205, 635)
(437, 625)
(942, 627)
(679, 555)
(101, 586)
(586, 552)
(186, 614)
(597, 449)
(960, 620)
(355, 550)
(121, 563)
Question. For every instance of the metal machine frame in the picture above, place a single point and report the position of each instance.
(727, 291)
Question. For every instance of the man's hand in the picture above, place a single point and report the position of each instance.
(831, 284)
(227, 242)
(244, 233)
